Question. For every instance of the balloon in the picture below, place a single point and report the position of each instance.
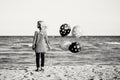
(64, 30)
(65, 45)
(76, 31)
(75, 47)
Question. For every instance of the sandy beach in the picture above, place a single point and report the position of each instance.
(83, 72)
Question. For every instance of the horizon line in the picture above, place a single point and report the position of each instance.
(60, 35)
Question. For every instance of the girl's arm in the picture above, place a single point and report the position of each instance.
(47, 41)
(34, 40)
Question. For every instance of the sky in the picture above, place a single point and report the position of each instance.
(95, 17)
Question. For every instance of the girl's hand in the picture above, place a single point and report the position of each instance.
(49, 48)
(33, 47)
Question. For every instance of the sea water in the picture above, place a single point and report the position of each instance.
(95, 49)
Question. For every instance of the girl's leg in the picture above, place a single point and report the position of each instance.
(37, 60)
(42, 59)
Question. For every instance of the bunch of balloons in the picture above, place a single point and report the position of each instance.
(65, 29)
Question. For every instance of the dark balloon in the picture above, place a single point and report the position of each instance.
(75, 47)
(64, 30)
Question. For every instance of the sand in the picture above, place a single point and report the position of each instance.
(82, 72)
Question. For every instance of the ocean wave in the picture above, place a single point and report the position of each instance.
(21, 45)
(116, 43)
(4, 44)
(26, 44)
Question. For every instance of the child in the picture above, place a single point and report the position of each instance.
(39, 44)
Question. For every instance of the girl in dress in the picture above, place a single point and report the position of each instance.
(40, 44)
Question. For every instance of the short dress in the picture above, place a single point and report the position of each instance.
(40, 43)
